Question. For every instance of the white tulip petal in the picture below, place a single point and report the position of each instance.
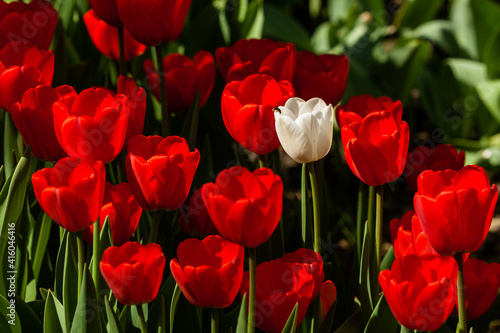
(293, 139)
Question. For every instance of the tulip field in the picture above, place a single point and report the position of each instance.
(246, 166)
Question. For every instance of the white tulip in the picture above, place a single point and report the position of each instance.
(305, 129)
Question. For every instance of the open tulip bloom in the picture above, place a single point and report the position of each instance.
(305, 129)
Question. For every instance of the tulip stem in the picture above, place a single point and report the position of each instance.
(214, 316)
(163, 91)
(81, 258)
(252, 259)
(315, 200)
(155, 226)
(142, 320)
(379, 213)
(371, 210)
(95, 255)
(462, 314)
(121, 42)
(359, 220)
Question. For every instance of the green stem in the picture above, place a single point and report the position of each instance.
(214, 320)
(121, 41)
(306, 227)
(315, 200)
(462, 315)
(262, 161)
(317, 313)
(95, 255)
(155, 226)
(359, 220)
(163, 91)
(142, 320)
(81, 258)
(252, 259)
(371, 210)
(378, 223)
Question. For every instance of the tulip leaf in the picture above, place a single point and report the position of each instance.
(113, 325)
(491, 50)
(2, 173)
(388, 259)
(70, 278)
(365, 278)
(87, 314)
(54, 319)
(419, 11)
(190, 127)
(9, 142)
(59, 271)
(327, 323)
(229, 321)
(489, 93)
(241, 326)
(291, 323)
(105, 241)
(173, 305)
(8, 323)
(253, 24)
(155, 311)
(29, 319)
(382, 319)
(41, 233)
(353, 324)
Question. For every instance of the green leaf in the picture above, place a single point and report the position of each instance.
(327, 323)
(190, 127)
(382, 319)
(9, 320)
(291, 323)
(241, 326)
(29, 319)
(87, 314)
(353, 324)
(338, 10)
(491, 52)
(388, 259)
(70, 278)
(439, 32)
(173, 305)
(54, 318)
(283, 27)
(59, 272)
(41, 233)
(365, 276)
(253, 24)
(162, 301)
(489, 94)
(468, 73)
(417, 12)
(9, 141)
(113, 325)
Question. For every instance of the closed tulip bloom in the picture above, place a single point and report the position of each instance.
(160, 170)
(328, 297)
(105, 38)
(133, 271)
(323, 76)
(23, 66)
(92, 125)
(33, 22)
(305, 129)
(153, 22)
(256, 56)
(312, 262)
(455, 208)
(245, 206)
(183, 78)
(481, 283)
(421, 291)
(208, 272)
(107, 11)
(376, 147)
(137, 105)
(71, 193)
(123, 211)
(401, 234)
(279, 286)
(247, 111)
(34, 120)
(358, 107)
(423, 158)
(194, 218)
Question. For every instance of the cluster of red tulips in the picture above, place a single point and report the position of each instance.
(432, 274)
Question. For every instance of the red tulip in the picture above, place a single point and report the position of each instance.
(323, 76)
(133, 271)
(137, 103)
(247, 111)
(93, 124)
(105, 38)
(401, 235)
(358, 107)
(160, 170)
(279, 287)
(194, 218)
(71, 193)
(328, 297)
(481, 283)
(245, 206)
(423, 158)
(153, 22)
(208, 272)
(183, 78)
(312, 262)
(455, 208)
(34, 120)
(33, 22)
(124, 214)
(256, 56)
(420, 241)
(421, 291)
(23, 66)
(376, 147)
(107, 11)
